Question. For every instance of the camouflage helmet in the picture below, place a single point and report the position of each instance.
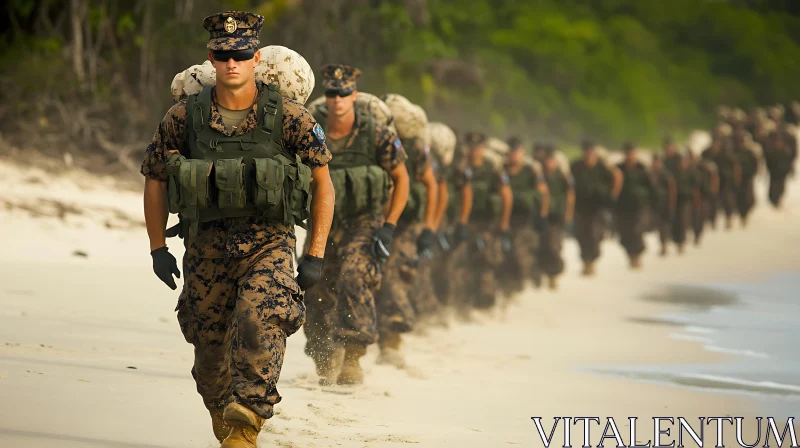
(563, 162)
(442, 141)
(775, 112)
(738, 115)
(496, 159)
(367, 102)
(409, 119)
(177, 86)
(288, 70)
(723, 130)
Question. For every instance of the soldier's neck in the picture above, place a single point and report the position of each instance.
(237, 99)
(340, 126)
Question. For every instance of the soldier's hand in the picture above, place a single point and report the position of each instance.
(425, 242)
(165, 265)
(381, 240)
(309, 271)
(461, 233)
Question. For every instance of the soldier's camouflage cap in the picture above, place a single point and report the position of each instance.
(233, 30)
(339, 78)
(474, 139)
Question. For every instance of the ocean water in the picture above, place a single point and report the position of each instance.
(755, 322)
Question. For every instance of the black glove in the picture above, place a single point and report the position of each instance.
(505, 241)
(164, 265)
(461, 233)
(425, 243)
(174, 231)
(381, 240)
(309, 271)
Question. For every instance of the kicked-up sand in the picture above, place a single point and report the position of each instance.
(91, 354)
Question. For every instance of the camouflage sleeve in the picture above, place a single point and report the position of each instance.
(388, 149)
(421, 155)
(302, 135)
(502, 177)
(169, 137)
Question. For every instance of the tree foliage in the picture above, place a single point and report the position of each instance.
(542, 69)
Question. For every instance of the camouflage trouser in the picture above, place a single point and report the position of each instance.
(630, 223)
(777, 187)
(590, 227)
(456, 275)
(550, 253)
(683, 219)
(664, 227)
(727, 200)
(238, 312)
(341, 307)
(700, 217)
(518, 265)
(393, 303)
(745, 197)
(485, 255)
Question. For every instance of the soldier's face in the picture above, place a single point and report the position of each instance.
(234, 74)
(515, 157)
(341, 105)
(550, 164)
(630, 156)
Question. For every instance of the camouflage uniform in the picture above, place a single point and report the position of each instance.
(745, 193)
(687, 182)
(780, 152)
(635, 197)
(521, 263)
(727, 165)
(661, 214)
(240, 300)
(552, 239)
(592, 193)
(341, 307)
(403, 292)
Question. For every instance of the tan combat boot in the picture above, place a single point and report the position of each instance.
(245, 426)
(221, 429)
(390, 351)
(351, 369)
(328, 366)
(553, 282)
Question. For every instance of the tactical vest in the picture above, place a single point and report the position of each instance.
(360, 183)
(635, 189)
(527, 199)
(249, 175)
(486, 200)
(417, 192)
(558, 186)
(591, 183)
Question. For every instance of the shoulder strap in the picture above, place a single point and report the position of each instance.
(198, 112)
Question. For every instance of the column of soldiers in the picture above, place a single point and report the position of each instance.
(409, 221)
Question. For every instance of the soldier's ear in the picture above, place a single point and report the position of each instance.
(355, 95)
(210, 57)
(257, 57)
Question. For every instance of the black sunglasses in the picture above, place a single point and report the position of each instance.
(236, 55)
(335, 93)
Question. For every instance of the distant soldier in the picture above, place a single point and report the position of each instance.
(729, 172)
(562, 206)
(597, 187)
(489, 221)
(780, 152)
(665, 202)
(687, 182)
(368, 159)
(747, 156)
(528, 217)
(636, 196)
(709, 189)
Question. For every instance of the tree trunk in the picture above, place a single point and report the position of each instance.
(77, 13)
(144, 65)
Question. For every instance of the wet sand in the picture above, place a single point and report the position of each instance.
(91, 353)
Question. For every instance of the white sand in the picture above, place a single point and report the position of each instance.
(71, 326)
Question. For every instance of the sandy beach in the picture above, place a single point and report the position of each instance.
(91, 354)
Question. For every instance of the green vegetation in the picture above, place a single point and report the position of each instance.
(552, 69)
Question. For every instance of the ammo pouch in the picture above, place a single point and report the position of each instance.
(359, 189)
(189, 187)
(229, 180)
(417, 202)
(282, 190)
